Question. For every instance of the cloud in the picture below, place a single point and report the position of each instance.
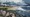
(21, 2)
(3, 0)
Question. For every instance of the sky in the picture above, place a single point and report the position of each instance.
(10, 0)
(22, 2)
(15, 0)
